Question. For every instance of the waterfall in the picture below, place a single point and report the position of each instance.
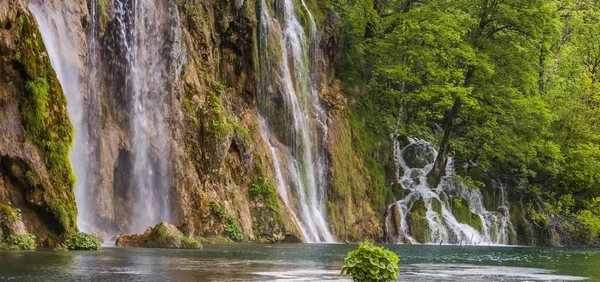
(414, 161)
(147, 50)
(62, 50)
(295, 126)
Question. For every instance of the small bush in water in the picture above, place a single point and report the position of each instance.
(371, 263)
(24, 242)
(82, 242)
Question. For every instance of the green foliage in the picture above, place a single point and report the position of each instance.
(102, 10)
(264, 191)
(371, 263)
(82, 242)
(417, 221)
(464, 215)
(514, 85)
(591, 223)
(8, 213)
(45, 119)
(187, 242)
(218, 211)
(191, 110)
(234, 231)
(162, 237)
(24, 242)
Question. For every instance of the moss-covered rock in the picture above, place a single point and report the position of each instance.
(436, 206)
(418, 155)
(523, 234)
(47, 178)
(417, 222)
(462, 213)
(163, 235)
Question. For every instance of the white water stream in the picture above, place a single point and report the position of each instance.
(444, 227)
(62, 50)
(285, 81)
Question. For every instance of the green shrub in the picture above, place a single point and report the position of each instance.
(371, 263)
(83, 242)
(24, 242)
(218, 211)
(234, 231)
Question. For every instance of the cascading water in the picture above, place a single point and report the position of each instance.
(147, 41)
(295, 124)
(148, 59)
(62, 50)
(414, 161)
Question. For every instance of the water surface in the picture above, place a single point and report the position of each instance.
(299, 262)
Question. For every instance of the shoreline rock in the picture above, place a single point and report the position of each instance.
(163, 235)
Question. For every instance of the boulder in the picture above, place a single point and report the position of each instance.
(163, 235)
(418, 154)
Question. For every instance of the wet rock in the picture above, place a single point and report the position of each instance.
(291, 238)
(396, 218)
(418, 154)
(417, 222)
(462, 213)
(436, 205)
(163, 235)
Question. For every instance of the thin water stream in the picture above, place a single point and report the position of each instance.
(295, 126)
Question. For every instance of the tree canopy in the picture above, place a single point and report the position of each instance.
(511, 87)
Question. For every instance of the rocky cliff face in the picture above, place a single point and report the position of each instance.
(215, 167)
(35, 132)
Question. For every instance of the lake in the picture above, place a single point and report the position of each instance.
(299, 262)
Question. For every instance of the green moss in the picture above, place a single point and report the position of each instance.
(436, 205)
(234, 231)
(162, 237)
(462, 213)
(357, 179)
(264, 191)
(45, 119)
(417, 222)
(218, 211)
(191, 110)
(8, 213)
(523, 231)
(24, 242)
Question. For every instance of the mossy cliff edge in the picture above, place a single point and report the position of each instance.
(36, 134)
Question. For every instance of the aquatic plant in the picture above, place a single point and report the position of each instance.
(371, 263)
(25, 242)
(82, 242)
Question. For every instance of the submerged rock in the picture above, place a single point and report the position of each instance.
(163, 235)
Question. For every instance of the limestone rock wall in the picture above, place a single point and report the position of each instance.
(222, 178)
(35, 131)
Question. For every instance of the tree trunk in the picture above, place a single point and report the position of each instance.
(439, 166)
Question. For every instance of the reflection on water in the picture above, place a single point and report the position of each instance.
(247, 262)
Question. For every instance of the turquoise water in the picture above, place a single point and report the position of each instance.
(299, 262)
